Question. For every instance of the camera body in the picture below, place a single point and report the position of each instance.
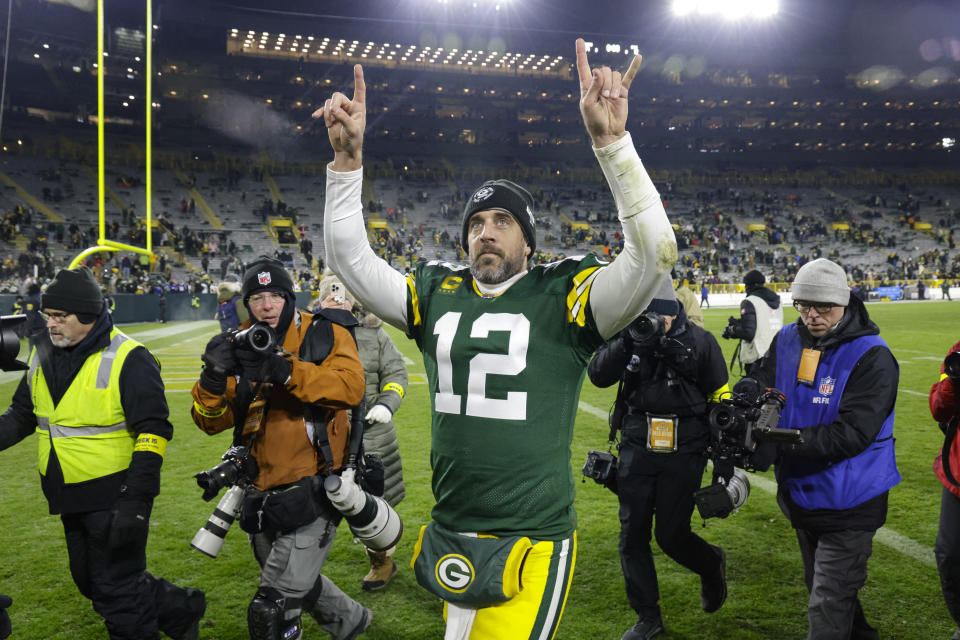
(238, 466)
(600, 466)
(647, 328)
(258, 337)
(951, 366)
(10, 343)
(724, 496)
(730, 331)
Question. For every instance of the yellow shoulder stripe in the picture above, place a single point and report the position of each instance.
(414, 300)
(579, 294)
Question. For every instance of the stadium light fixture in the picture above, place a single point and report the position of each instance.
(729, 9)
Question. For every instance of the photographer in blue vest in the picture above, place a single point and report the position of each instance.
(840, 380)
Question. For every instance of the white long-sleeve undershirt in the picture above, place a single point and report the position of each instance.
(619, 292)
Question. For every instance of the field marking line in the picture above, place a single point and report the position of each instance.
(923, 353)
(913, 393)
(162, 332)
(885, 535)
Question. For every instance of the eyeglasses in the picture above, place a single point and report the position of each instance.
(261, 299)
(804, 307)
(58, 317)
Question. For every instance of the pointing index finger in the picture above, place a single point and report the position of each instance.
(583, 66)
(631, 71)
(359, 86)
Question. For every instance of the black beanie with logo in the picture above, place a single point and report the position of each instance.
(506, 196)
(266, 274)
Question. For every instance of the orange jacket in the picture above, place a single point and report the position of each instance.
(282, 448)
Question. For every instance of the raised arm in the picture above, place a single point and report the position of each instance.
(623, 289)
(375, 283)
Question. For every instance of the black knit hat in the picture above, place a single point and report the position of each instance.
(266, 274)
(754, 279)
(75, 291)
(506, 196)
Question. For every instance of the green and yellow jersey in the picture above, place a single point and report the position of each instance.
(504, 375)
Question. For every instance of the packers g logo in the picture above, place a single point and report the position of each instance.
(454, 573)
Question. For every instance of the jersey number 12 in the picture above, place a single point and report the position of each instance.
(514, 406)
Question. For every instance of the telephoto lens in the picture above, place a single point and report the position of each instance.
(738, 488)
(371, 518)
(210, 537)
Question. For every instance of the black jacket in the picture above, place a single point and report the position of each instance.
(868, 398)
(144, 407)
(676, 377)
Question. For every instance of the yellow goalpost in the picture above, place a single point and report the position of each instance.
(103, 244)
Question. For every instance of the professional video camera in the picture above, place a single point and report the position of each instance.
(236, 471)
(951, 366)
(10, 343)
(737, 424)
(730, 331)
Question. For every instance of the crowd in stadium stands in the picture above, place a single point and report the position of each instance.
(725, 224)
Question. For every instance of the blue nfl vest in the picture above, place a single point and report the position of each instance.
(815, 484)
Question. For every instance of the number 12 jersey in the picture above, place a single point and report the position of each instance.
(504, 375)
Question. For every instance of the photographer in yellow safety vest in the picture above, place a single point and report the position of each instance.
(95, 399)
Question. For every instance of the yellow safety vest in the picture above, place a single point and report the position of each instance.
(87, 428)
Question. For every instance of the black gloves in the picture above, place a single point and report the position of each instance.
(732, 330)
(258, 367)
(5, 628)
(131, 521)
(220, 360)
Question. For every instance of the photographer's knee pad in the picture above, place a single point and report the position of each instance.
(273, 616)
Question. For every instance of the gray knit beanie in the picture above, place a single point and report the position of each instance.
(664, 301)
(821, 281)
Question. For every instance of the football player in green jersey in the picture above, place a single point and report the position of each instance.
(505, 347)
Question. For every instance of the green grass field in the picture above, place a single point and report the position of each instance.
(767, 598)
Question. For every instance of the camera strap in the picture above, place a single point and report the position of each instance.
(736, 357)
(617, 413)
(262, 402)
(321, 439)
